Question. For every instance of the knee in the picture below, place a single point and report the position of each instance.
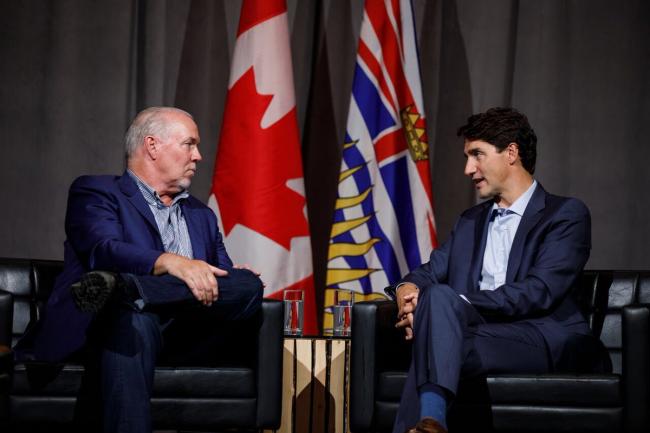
(439, 295)
(438, 300)
(249, 285)
(243, 291)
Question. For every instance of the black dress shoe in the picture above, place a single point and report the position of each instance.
(94, 290)
(427, 425)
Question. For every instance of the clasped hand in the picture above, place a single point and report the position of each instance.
(407, 301)
(199, 276)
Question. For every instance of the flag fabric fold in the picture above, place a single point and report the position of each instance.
(383, 218)
(258, 187)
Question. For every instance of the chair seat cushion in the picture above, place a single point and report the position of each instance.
(222, 382)
(177, 382)
(520, 389)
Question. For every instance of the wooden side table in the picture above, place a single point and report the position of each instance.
(315, 388)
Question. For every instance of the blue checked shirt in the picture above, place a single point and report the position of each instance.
(169, 219)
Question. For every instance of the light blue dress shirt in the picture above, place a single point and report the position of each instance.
(169, 219)
(502, 228)
(501, 232)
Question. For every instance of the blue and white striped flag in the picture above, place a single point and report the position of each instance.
(383, 223)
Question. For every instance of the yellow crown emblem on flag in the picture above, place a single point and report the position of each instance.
(418, 147)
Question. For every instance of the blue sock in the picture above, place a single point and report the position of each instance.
(433, 403)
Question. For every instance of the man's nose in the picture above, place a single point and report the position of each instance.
(196, 155)
(470, 167)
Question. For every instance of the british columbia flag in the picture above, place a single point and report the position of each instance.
(383, 221)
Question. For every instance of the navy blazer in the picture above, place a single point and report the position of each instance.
(550, 249)
(109, 226)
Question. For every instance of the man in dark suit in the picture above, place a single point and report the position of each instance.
(143, 260)
(496, 296)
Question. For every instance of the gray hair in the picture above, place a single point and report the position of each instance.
(150, 121)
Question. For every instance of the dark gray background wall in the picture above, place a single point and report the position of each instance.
(74, 72)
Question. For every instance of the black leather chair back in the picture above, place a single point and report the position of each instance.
(29, 282)
(602, 296)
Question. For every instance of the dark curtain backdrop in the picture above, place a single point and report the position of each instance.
(74, 72)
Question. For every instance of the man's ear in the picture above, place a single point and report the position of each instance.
(150, 146)
(513, 152)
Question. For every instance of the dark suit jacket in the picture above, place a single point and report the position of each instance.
(109, 226)
(550, 248)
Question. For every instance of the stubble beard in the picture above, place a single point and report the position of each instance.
(184, 184)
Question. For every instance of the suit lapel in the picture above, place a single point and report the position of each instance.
(130, 190)
(193, 220)
(531, 217)
(480, 238)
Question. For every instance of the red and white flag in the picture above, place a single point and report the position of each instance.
(258, 187)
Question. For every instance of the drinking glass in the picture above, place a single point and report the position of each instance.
(342, 313)
(293, 302)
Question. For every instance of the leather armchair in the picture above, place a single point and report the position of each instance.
(614, 304)
(5, 369)
(243, 393)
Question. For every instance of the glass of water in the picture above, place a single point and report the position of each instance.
(293, 303)
(342, 313)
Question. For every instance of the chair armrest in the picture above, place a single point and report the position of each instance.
(6, 360)
(362, 366)
(368, 320)
(6, 317)
(269, 365)
(6, 368)
(636, 367)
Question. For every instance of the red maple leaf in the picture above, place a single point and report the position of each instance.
(253, 166)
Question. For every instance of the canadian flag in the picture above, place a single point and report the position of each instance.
(258, 187)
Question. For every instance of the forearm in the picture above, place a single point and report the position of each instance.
(117, 256)
(169, 263)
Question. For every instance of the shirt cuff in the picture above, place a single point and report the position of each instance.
(405, 282)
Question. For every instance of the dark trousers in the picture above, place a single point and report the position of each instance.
(451, 339)
(174, 326)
